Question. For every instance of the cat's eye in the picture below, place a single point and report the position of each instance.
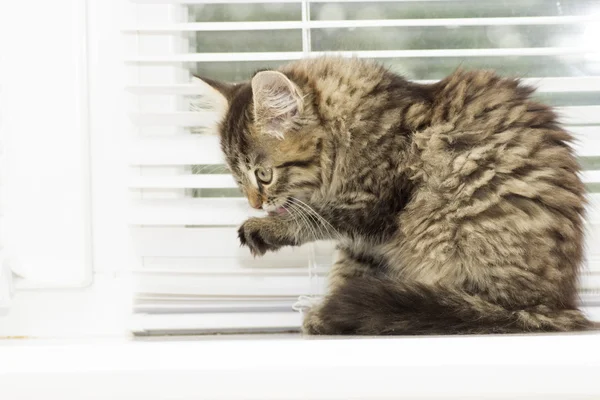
(264, 175)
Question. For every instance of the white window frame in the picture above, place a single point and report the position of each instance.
(530, 367)
(100, 303)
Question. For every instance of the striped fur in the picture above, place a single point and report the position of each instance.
(457, 206)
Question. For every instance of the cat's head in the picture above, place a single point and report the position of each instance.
(270, 137)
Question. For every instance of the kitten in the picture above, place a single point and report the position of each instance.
(457, 206)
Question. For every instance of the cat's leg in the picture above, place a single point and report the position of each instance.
(370, 305)
(346, 267)
(304, 224)
(297, 227)
(268, 234)
(364, 301)
(273, 232)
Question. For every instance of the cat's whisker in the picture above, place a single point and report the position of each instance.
(311, 224)
(306, 221)
(291, 214)
(323, 222)
(317, 229)
(317, 214)
(295, 216)
(323, 229)
(312, 220)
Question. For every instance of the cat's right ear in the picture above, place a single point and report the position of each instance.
(213, 98)
(277, 102)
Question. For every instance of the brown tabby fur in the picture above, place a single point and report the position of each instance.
(457, 206)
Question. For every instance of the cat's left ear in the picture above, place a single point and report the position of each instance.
(277, 102)
(212, 99)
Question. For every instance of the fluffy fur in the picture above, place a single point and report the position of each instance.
(457, 206)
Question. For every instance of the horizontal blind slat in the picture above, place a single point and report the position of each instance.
(590, 176)
(260, 287)
(185, 242)
(235, 260)
(216, 322)
(587, 139)
(176, 150)
(182, 249)
(205, 148)
(225, 181)
(267, 1)
(224, 286)
(151, 305)
(198, 211)
(228, 1)
(205, 289)
(182, 119)
(432, 53)
(543, 85)
(364, 23)
(577, 115)
(231, 270)
(282, 1)
(232, 211)
(198, 181)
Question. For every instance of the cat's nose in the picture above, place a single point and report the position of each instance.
(255, 202)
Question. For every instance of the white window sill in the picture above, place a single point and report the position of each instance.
(290, 367)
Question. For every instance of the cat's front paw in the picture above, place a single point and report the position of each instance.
(253, 233)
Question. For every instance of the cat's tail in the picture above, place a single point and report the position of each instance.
(373, 306)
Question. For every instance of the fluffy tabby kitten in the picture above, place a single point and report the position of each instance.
(457, 206)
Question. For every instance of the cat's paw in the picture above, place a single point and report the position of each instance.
(313, 324)
(322, 319)
(253, 234)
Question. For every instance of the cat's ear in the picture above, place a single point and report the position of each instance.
(213, 99)
(277, 102)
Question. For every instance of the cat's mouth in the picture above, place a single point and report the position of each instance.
(277, 211)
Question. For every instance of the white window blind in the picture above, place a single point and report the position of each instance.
(193, 276)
